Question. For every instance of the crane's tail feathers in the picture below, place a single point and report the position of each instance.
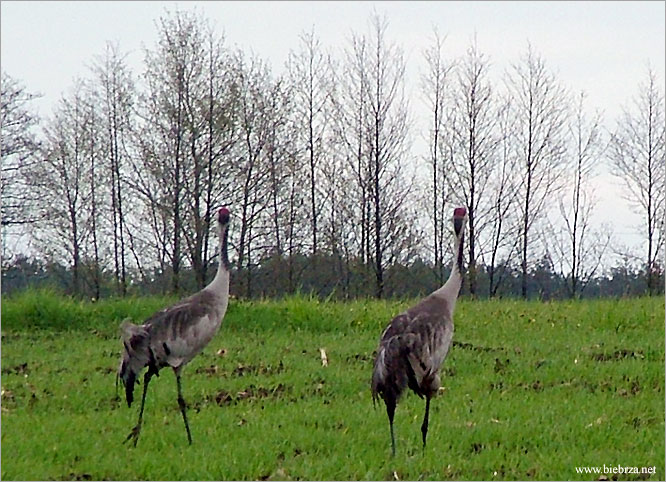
(387, 381)
(378, 374)
(136, 355)
(398, 367)
(375, 394)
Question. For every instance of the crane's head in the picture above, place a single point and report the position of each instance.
(223, 216)
(459, 218)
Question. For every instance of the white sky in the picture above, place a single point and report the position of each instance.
(600, 47)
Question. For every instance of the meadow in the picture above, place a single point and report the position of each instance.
(532, 390)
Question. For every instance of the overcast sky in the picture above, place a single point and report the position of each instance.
(600, 47)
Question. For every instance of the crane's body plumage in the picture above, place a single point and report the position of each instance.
(172, 337)
(415, 343)
(412, 349)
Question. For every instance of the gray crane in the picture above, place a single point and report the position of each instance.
(175, 335)
(416, 342)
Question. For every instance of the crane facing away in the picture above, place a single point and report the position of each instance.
(416, 342)
(175, 335)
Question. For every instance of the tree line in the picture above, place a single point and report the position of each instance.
(114, 191)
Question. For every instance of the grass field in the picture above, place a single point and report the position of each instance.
(532, 391)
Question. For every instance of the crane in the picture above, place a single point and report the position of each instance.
(173, 336)
(416, 342)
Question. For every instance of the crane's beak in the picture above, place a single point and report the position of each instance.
(458, 224)
(459, 217)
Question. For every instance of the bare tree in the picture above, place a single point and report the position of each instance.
(371, 132)
(387, 130)
(185, 135)
(93, 152)
(434, 83)
(114, 89)
(540, 108)
(65, 180)
(211, 133)
(251, 170)
(579, 248)
(288, 187)
(338, 219)
(474, 144)
(347, 177)
(277, 100)
(294, 210)
(308, 71)
(341, 180)
(163, 143)
(350, 106)
(502, 237)
(637, 157)
(19, 151)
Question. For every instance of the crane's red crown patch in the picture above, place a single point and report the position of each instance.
(223, 215)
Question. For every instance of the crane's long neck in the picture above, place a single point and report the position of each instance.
(452, 286)
(220, 284)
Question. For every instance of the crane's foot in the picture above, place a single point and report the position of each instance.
(134, 434)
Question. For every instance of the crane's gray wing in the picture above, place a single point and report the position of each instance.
(181, 331)
(428, 346)
(411, 351)
(397, 326)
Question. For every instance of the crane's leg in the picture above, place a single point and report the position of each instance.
(134, 434)
(182, 405)
(390, 411)
(424, 426)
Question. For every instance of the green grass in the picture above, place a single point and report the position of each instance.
(532, 390)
